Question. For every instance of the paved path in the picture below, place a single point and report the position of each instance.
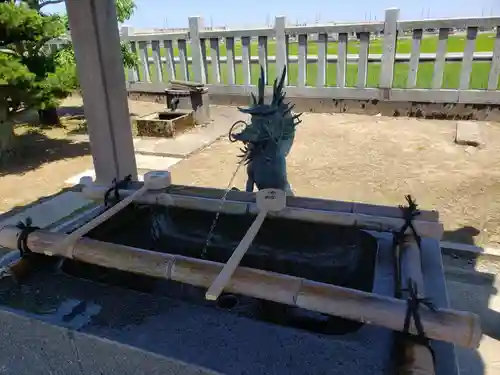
(182, 145)
(477, 292)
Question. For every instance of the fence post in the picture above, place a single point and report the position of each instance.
(281, 48)
(198, 65)
(125, 32)
(389, 51)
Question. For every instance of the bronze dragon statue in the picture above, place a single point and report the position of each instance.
(268, 138)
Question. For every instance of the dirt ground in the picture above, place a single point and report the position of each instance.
(339, 156)
(46, 157)
(379, 160)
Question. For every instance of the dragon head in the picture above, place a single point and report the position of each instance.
(268, 121)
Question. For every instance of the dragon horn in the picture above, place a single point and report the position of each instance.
(254, 99)
(297, 115)
(290, 108)
(275, 92)
(282, 80)
(262, 85)
(297, 122)
(278, 95)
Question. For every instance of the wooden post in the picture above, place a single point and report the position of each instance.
(458, 327)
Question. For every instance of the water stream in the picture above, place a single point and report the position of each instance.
(216, 219)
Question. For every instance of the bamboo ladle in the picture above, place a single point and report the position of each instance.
(153, 180)
(267, 200)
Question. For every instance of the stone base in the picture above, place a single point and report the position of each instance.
(198, 101)
(439, 111)
(164, 124)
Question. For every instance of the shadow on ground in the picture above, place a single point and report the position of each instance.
(471, 283)
(76, 114)
(33, 149)
(76, 111)
(464, 235)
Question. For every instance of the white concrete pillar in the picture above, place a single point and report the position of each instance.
(96, 41)
(198, 58)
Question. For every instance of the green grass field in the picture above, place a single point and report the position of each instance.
(456, 43)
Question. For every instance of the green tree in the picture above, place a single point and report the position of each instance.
(15, 80)
(25, 32)
(66, 56)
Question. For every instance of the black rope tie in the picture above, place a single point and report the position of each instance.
(116, 186)
(22, 240)
(413, 303)
(410, 212)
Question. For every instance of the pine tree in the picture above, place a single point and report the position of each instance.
(24, 33)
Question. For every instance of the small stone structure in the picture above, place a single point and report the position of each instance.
(164, 124)
(189, 96)
(468, 134)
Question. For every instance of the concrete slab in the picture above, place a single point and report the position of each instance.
(31, 347)
(187, 143)
(50, 211)
(144, 163)
(480, 299)
(468, 134)
(151, 162)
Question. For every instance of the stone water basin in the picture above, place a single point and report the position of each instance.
(165, 124)
(324, 253)
(237, 335)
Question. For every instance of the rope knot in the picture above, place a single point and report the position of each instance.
(115, 187)
(410, 212)
(413, 303)
(22, 240)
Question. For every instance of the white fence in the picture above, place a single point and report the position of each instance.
(160, 62)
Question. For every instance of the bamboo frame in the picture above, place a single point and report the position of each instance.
(67, 244)
(268, 200)
(417, 358)
(458, 327)
(363, 221)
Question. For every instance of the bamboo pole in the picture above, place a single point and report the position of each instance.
(362, 221)
(417, 358)
(458, 327)
(267, 200)
(152, 180)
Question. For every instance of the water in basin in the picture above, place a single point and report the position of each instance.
(325, 253)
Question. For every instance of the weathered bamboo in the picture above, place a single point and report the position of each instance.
(267, 200)
(152, 180)
(362, 221)
(417, 358)
(458, 327)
